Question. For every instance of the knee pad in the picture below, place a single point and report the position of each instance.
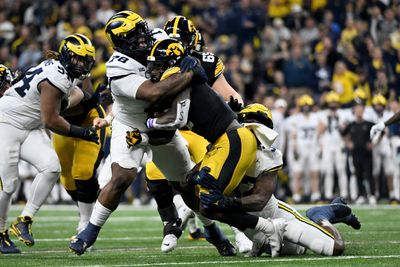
(87, 190)
(10, 185)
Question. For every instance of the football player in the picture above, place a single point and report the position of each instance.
(6, 79)
(29, 105)
(333, 150)
(182, 29)
(79, 159)
(129, 35)
(255, 195)
(232, 147)
(382, 150)
(304, 147)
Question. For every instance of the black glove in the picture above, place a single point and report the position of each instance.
(88, 134)
(133, 137)
(199, 74)
(188, 63)
(234, 104)
(216, 198)
(204, 179)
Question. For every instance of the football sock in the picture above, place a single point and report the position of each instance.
(40, 190)
(192, 225)
(85, 210)
(5, 202)
(204, 220)
(99, 215)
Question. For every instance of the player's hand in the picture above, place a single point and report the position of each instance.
(188, 63)
(234, 104)
(204, 179)
(133, 137)
(213, 198)
(100, 123)
(90, 135)
(376, 131)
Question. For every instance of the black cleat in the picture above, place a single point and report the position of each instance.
(6, 245)
(215, 236)
(22, 229)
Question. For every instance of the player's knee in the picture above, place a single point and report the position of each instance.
(158, 187)
(122, 178)
(208, 213)
(87, 190)
(52, 165)
(10, 185)
(338, 247)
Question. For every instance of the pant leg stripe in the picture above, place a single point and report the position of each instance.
(304, 220)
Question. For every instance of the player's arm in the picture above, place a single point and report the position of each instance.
(377, 130)
(176, 117)
(50, 103)
(261, 192)
(153, 92)
(222, 86)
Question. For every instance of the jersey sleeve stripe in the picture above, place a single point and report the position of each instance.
(219, 68)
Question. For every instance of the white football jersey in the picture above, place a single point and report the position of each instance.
(332, 125)
(20, 105)
(267, 159)
(125, 75)
(305, 128)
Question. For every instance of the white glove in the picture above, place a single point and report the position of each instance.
(376, 130)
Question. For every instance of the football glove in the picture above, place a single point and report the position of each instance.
(88, 134)
(234, 104)
(376, 130)
(204, 179)
(133, 137)
(216, 198)
(188, 63)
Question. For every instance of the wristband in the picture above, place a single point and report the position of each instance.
(109, 118)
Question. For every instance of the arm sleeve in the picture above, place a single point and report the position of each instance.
(176, 117)
(126, 86)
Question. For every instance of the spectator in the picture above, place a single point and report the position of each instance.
(104, 12)
(343, 83)
(6, 29)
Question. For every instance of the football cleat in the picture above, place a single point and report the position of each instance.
(6, 245)
(172, 231)
(349, 219)
(276, 237)
(169, 243)
(215, 236)
(243, 243)
(22, 229)
(196, 235)
(85, 239)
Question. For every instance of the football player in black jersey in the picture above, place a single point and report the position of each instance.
(232, 146)
(183, 30)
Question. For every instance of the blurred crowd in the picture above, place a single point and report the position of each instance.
(274, 51)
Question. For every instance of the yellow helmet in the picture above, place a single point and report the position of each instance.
(332, 97)
(305, 100)
(360, 96)
(125, 31)
(256, 112)
(77, 55)
(379, 100)
(182, 29)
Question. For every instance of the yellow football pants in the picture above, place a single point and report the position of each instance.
(79, 158)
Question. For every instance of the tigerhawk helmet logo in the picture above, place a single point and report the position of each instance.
(174, 49)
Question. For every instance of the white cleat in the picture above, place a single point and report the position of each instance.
(169, 243)
(243, 243)
(185, 213)
(276, 238)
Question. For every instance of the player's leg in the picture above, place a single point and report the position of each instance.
(38, 151)
(9, 158)
(313, 166)
(327, 166)
(340, 164)
(125, 162)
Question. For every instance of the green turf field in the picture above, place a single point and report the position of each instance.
(133, 237)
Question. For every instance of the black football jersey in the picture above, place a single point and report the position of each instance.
(211, 64)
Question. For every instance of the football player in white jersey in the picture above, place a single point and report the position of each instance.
(333, 155)
(381, 151)
(133, 92)
(304, 146)
(255, 195)
(26, 108)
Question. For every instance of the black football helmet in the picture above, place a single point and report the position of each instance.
(6, 79)
(163, 55)
(182, 29)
